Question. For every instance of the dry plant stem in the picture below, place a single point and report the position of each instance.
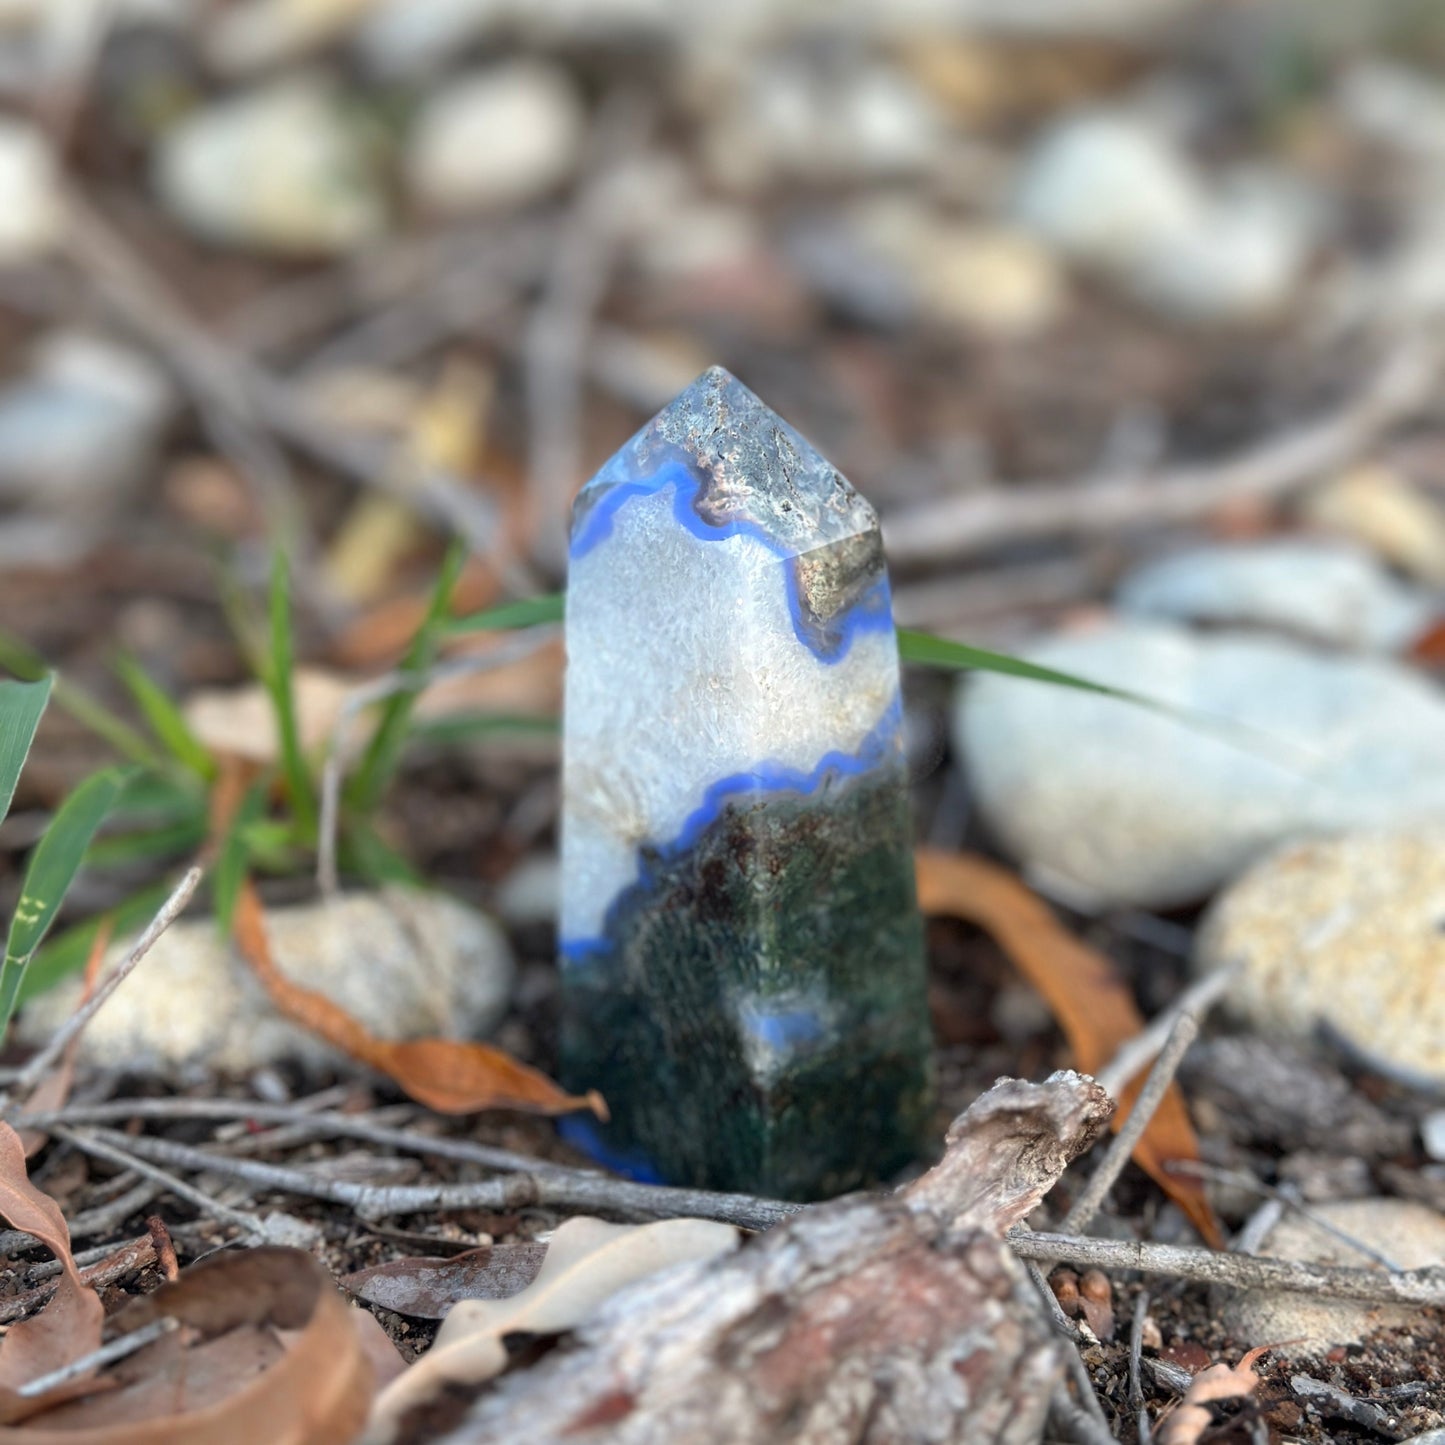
(518, 1191)
(945, 530)
(1136, 1385)
(112, 1151)
(378, 690)
(1424, 1287)
(1088, 1402)
(1091, 1199)
(324, 1125)
(170, 910)
(1140, 1051)
(107, 1354)
(119, 1265)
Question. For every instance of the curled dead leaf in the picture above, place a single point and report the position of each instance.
(587, 1261)
(427, 1288)
(1186, 1426)
(266, 1349)
(68, 1327)
(1087, 996)
(452, 1076)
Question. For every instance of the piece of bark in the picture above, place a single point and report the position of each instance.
(870, 1320)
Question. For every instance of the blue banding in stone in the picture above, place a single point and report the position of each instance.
(783, 1031)
(582, 1133)
(767, 777)
(873, 611)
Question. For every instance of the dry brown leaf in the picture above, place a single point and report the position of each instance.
(68, 1328)
(387, 1363)
(1186, 1426)
(427, 1288)
(587, 1262)
(227, 1376)
(452, 1076)
(1086, 995)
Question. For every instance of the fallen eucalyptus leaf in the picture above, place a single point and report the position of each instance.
(426, 1288)
(233, 1373)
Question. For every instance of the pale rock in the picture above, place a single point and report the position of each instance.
(241, 721)
(532, 893)
(258, 34)
(83, 425)
(407, 964)
(496, 138)
(791, 121)
(1131, 806)
(994, 280)
(1396, 105)
(1108, 190)
(1348, 932)
(1243, 263)
(1410, 1235)
(1432, 1134)
(280, 169)
(1388, 513)
(30, 211)
(1327, 592)
(1111, 191)
(408, 38)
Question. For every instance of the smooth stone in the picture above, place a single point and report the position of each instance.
(501, 137)
(1327, 592)
(1395, 105)
(407, 964)
(1110, 191)
(258, 34)
(30, 218)
(1432, 1134)
(83, 425)
(1411, 1235)
(281, 169)
(1347, 931)
(1132, 807)
(795, 121)
(1242, 264)
(1107, 189)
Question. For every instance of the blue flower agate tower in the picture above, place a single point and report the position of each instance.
(741, 953)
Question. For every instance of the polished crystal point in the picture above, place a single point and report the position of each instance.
(741, 953)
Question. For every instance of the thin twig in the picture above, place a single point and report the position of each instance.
(109, 1145)
(944, 530)
(1425, 1287)
(379, 689)
(324, 1125)
(1136, 1385)
(1136, 1054)
(1074, 1422)
(170, 910)
(517, 1191)
(1091, 1198)
(107, 1354)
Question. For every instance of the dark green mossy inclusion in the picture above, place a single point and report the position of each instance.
(757, 1019)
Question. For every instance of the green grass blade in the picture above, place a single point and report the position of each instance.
(25, 663)
(927, 650)
(364, 852)
(386, 743)
(167, 840)
(67, 951)
(21, 707)
(165, 719)
(53, 865)
(280, 667)
(529, 612)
